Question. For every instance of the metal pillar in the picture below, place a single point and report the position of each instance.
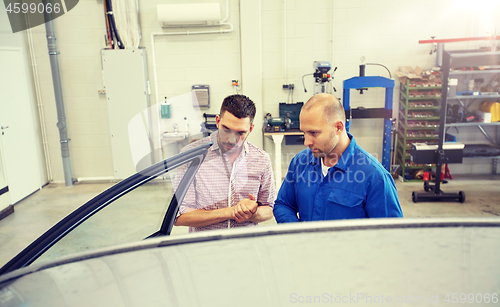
(494, 163)
(439, 54)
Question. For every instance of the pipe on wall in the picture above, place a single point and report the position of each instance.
(61, 116)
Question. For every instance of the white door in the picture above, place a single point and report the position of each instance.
(17, 137)
(4, 188)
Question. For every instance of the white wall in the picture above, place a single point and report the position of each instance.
(340, 31)
(79, 36)
(182, 61)
(251, 61)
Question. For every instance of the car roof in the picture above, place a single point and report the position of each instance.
(276, 265)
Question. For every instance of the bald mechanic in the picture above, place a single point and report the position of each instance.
(333, 178)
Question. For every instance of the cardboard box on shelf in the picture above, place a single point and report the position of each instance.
(483, 117)
(418, 77)
(407, 73)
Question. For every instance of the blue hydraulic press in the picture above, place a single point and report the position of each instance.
(362, 83)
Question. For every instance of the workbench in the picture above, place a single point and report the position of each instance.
(277, 138)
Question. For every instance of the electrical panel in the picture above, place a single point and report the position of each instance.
(126, 79)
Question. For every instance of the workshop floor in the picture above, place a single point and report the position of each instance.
(38, 212)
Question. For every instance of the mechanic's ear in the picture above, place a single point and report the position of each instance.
(217, 120)
(251, 128)
(339, 126)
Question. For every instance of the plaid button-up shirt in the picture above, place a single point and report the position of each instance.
(251, 173)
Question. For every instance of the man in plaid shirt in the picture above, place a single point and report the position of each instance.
(234, 186)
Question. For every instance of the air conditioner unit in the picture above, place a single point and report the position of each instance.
(189, 15)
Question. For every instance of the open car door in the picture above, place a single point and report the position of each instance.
(141, 206)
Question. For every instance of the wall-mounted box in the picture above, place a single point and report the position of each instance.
(201, 96)
(189, 15)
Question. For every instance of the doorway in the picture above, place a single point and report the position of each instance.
(17, 133)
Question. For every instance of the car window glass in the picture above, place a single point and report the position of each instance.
(130, 218)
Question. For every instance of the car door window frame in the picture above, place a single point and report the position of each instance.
(194, 156)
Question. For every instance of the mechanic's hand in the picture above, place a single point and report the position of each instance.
(244, 210)
(241, 213)
(250, 203)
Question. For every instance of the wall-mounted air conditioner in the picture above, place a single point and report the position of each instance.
(189, 15)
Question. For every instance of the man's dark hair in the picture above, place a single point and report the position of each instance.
(239, 105)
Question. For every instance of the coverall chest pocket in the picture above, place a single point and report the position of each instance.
(344, 205)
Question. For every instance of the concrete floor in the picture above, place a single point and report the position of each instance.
(38, 212)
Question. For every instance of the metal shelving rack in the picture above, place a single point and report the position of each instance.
(404, 128)
(456, 60)
(467, 101)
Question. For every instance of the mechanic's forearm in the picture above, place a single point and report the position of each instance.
(284, 214)
(202, 218)
(262, 214)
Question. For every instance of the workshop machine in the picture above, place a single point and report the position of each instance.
(289, 112)
(288, 118)
(322, 78)
(363, 83)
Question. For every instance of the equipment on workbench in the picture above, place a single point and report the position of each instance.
(275, 124)
(321, 77)
(288, 119)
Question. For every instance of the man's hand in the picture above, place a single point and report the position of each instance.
(245, 209)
